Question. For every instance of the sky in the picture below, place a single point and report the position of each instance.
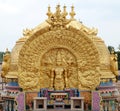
(16, 15)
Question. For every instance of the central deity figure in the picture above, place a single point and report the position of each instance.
(58, 79)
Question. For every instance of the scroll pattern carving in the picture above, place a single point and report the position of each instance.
(26, 80)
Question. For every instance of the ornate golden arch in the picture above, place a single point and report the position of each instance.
(75, 41)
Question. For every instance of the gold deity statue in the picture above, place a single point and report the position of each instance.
(58, 79)
(114, 62)
(5, 64)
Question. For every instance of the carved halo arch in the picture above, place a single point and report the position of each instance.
(78, 43)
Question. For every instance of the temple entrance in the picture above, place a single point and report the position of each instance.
(51, 100)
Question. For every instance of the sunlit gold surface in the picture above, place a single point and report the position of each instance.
(5, 64)
(60, 53)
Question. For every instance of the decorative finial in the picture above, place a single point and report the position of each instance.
(49, 12)
(64, 8)
(58, 11)
(64, 12)
(72, 13)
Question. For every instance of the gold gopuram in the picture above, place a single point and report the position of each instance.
(60, 53)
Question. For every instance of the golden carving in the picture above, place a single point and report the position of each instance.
(114, 63)
(5, 64)
(92, 31)
(27, 32)
(79, 26)
(57, 19)
(27, 82)
(89, 79)
(59, 63)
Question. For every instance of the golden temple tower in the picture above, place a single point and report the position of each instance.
(84, 56)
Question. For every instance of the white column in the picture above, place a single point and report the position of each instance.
(71, 104)
(82, 104)
(34, 104)
(45, 103)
